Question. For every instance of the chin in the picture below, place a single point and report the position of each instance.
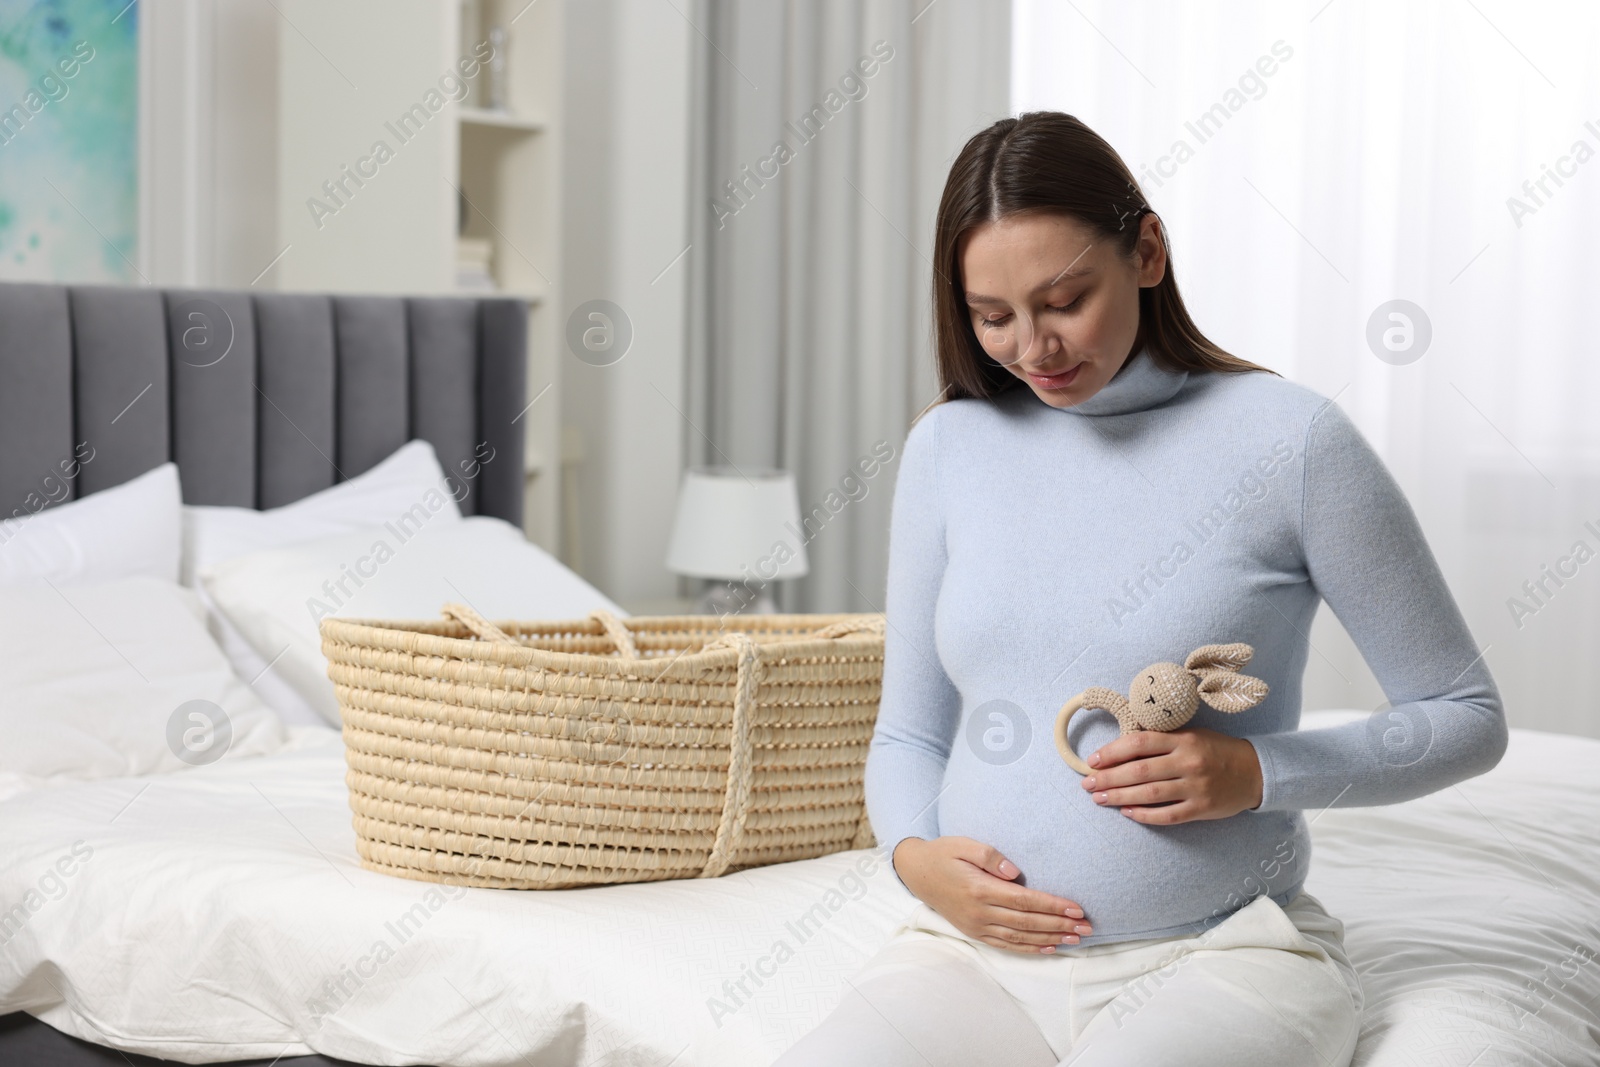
(1084, 386)
(1076, 393)
(1057, 398)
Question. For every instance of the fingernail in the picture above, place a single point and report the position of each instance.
(1094, 760)
(1074, 913)
(1084, 929)
(1100, 798)
(1069, 939)
(1007, 869)
(1047, 950)
(1088, 783)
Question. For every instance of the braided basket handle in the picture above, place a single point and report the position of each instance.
(482, 627)
(736, 798)
(619, 634)
(870, 625)
(488, 631)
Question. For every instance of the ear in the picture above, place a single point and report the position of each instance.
(1219, 657)
(1231, 692)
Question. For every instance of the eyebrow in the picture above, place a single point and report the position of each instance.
(1068, 273)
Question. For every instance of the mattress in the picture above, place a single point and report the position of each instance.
(221, 913)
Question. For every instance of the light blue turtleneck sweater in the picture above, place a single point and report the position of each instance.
(1037, 551)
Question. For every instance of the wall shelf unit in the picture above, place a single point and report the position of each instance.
(466, 191)
(500, 120)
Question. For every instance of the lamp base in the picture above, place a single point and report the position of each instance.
(725, 598)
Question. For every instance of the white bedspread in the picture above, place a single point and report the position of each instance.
(220, 913)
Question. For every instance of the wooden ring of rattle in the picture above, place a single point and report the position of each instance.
(1063, 746)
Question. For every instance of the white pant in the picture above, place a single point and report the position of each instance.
(1268, 986)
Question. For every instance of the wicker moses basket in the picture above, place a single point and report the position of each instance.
(552, 755)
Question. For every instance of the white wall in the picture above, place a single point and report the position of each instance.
(625, 219)
(208, 114)
(210, 216)
(347, 78)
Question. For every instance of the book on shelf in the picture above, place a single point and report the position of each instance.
(474, 260)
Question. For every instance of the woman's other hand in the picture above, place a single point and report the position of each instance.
(973, 886)
(1189, 774)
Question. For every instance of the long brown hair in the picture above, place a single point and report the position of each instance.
(1049, 162)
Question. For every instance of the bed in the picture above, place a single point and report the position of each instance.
(262, 399)
(224, 915)
(218, 912)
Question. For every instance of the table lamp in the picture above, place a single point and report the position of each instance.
(742, 528)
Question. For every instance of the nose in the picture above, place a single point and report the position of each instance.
(1029, 347)
(1039, 347)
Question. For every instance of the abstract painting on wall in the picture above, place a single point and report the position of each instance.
(69, 149)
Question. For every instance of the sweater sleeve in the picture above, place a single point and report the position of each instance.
(1366, 555)
(920, 708)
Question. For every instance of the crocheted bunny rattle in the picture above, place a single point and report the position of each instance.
(1164, 696)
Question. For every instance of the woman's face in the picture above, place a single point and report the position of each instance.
(1055, 303)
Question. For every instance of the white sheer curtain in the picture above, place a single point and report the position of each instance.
(823, 133)
(1355, 152)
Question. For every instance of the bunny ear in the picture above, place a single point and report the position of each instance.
(1219, 657)
(1231, 692)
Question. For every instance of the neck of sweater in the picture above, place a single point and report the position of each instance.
(1139, 384)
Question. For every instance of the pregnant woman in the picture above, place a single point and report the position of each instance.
(1103, 488)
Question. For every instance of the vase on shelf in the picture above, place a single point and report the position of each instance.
(497, 84)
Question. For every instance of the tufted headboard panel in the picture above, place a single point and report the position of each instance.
(260, 398)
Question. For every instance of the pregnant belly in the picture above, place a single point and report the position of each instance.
(1132, 880)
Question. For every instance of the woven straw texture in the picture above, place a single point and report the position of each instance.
(544, 755)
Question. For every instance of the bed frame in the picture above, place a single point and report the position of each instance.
(261, 399)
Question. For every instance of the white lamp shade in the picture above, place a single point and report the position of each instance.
(733, 525)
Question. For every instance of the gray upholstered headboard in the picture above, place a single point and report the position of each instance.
(260, 398)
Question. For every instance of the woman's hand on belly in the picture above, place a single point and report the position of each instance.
(1193, 773)
(973, 886)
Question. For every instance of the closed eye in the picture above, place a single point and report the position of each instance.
(1001, 320)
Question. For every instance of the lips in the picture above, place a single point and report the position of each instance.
(1055, 381)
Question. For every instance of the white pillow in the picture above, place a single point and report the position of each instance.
(118, 678)
(408, 487)
(278, 598)
(132, 528)
(259, 671)
(409, 482)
